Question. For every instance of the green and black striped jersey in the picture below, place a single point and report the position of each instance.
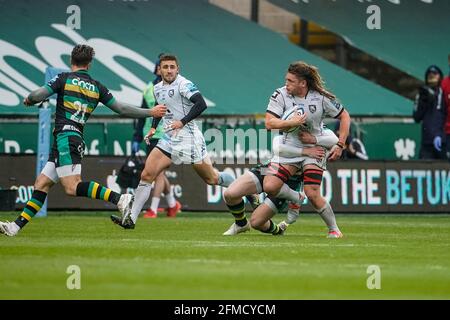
(78, 94)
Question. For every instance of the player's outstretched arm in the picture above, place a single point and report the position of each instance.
(36, 96)
(128, 110)
(327, 139)
(287, 151)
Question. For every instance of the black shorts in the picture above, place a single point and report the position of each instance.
(68, 149)
(152, 145)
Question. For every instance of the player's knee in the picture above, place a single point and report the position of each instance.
(212, 181)
(70, 189)
(256, 223)
(147, 176)
(271, 189)
(42, 184)
(313, 195)
(229, 196)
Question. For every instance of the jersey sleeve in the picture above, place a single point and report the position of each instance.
(332, 108)
(276, 105)
(188, 89)
(56, 84)
(105, 96)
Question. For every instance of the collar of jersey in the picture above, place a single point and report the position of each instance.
(82, 71)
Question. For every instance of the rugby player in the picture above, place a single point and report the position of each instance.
(182, 142)
(304, 90)
(78, 94)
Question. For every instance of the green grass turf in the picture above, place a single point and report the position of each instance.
(188, 258)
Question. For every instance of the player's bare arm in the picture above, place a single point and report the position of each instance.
(344, 130)
(274, 123)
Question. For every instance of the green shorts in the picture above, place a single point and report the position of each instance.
(68, 149)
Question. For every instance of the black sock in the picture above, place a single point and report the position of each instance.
(238, 211)
(31, 208)
(93, 190)
(273, 229)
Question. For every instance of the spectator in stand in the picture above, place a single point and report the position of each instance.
(431, 110)
(446, 90)
(354, 148)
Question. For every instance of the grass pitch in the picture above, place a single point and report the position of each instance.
(188, 258)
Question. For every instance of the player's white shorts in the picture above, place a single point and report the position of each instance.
(327, 139)
(187, 147)
(301, 162)
(54, 173)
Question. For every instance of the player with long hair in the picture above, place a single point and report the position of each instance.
(304, 92)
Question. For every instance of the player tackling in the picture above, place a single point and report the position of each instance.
(304, 93)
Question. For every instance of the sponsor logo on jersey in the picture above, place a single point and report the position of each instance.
(312, 108)
(191, 87)
(171, 92)
(336, 104)
(53, 79)
(83, 84)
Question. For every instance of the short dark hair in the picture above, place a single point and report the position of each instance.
(168, 57)
(82, 55)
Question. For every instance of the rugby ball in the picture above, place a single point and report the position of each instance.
(289, 114)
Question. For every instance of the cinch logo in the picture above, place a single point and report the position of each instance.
(85, 85)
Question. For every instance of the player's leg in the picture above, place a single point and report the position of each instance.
(261, 219)
(275, 179)
(42, 185)
(212, 176)
(246, 184)
(74, 186)
(157, 161)
(293, 209)
(312, 181)
(156, 198)
(174, 206)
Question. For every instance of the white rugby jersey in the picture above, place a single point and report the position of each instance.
(314, 105)
(175, 97)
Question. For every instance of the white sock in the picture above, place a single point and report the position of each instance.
(225, 179)
(289, 194)
(327, 215)
(155, 204)
(140, 198)
(170, 198)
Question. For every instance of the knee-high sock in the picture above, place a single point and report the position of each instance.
(238, 211)
(289, 194)
(140, 198)
(94, 190)
(170, 198)
(327, 215)
(32, 207)
(155, 204)
(273, 229)
(225, 179)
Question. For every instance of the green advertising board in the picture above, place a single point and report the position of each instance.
(245, 139)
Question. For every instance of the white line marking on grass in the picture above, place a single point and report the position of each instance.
(197, 243)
